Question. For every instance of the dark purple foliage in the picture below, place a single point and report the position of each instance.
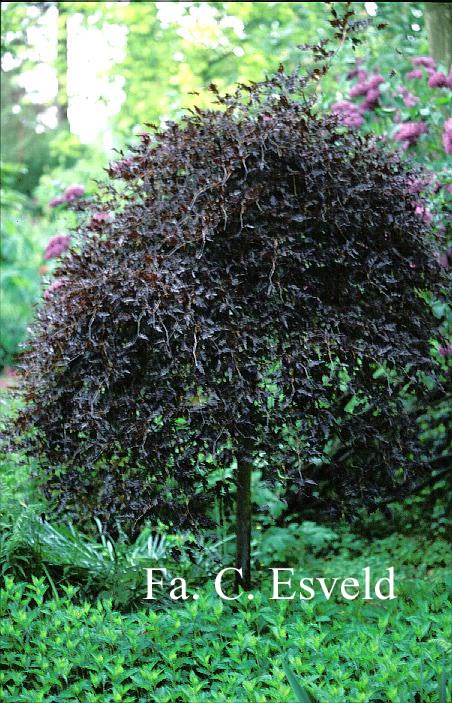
(255, 254)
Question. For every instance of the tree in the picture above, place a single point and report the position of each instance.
(62, 64)
(438, 17)
(239, 294)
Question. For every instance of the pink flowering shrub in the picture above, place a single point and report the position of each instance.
(447, 136)
(409, 132)
(370, 90)
(59, 200)
(99, 220)
(71, 193)
(409, 107)
(445, 350)
(53, 287)
(438, 80)
(57, 246)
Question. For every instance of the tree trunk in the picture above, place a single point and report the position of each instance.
(62, 98)
(438, 20)
(243, 526)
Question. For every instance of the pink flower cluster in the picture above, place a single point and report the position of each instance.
(59, 200)
(53, 287)
(424, 213)
(436, 79)
(415, 73)
(368, 87)
(409, 99)
(409, 132)
(56, 246)
(98, 220)
(447, 136)
(71, 193)
(445, 350)
(350, 114)
(9, 377)
(427, 61)
(417, 185)
(439, 80)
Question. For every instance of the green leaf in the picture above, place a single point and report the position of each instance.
(443, 684)
(301, 694)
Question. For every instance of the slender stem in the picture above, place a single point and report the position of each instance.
(243, 526)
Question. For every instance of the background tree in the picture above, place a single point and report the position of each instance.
(438, 17)
(62, 64)
(166, 58)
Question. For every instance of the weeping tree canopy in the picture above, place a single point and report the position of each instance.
(251, 281)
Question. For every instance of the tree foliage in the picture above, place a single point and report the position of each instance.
(249, 283)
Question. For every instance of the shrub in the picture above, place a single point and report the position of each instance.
(407, 105)
(252, 284)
